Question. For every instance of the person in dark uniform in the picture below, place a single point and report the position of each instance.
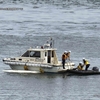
(64, 59)
(86, 63)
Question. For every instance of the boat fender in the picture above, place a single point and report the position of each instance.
(25, 67)
(95, 69)
(41, 70)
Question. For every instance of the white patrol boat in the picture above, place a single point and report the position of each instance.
(39, 60)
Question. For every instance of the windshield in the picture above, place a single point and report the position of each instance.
(31, 54)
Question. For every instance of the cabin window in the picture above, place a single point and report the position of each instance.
(31, 54)
(45, 54)
(34, 53)
(26, 54)
(49, 53)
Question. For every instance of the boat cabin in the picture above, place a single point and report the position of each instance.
(41, 55)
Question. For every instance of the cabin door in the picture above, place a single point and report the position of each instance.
(49, 57)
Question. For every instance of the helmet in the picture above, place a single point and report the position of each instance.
(69, 51)
(80, 62)
(83, 58)
(65, 51)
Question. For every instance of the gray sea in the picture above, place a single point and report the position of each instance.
(73, 24)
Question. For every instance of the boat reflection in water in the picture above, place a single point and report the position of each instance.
(39, 60)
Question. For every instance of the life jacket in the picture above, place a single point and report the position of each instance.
(64, 56)
(86, 62)
(80, 67)
(68, 55)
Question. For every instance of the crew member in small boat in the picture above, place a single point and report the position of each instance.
(64, 59)
(68, 55)
(86, 63)
(80, 66)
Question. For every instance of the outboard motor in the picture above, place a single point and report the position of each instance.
(95, 69)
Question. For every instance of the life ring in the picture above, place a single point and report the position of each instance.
(25, 67)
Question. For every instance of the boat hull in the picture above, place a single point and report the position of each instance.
(83, 72)
(38, 67)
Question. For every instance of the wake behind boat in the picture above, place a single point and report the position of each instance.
(40, 59)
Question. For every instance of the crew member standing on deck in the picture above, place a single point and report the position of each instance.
(64, 59)
(68, 55)
(86, 63)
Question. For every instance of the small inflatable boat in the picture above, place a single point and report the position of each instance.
(94, 71)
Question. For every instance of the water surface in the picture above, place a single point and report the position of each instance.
(73, 24)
